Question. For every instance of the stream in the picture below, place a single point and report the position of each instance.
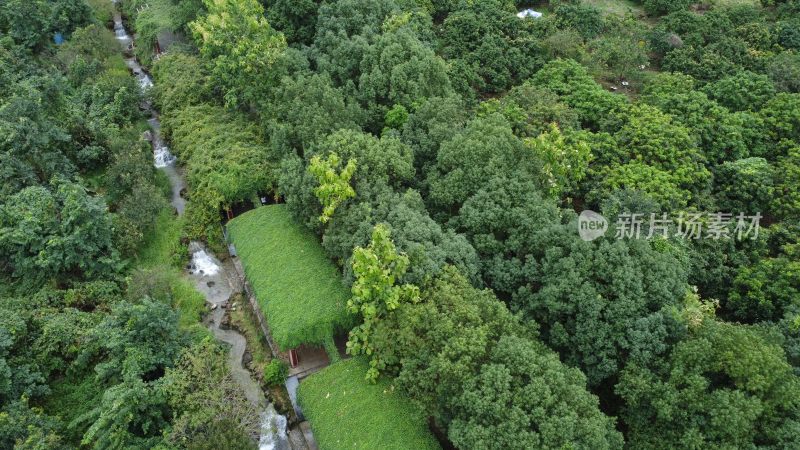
(211, 277)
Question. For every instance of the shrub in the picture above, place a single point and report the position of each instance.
(661, 7)
(275, 372)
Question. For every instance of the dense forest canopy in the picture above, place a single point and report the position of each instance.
(442, 152)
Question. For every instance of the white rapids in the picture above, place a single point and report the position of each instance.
(211, 278)
(273, 431)
(162, 157)
(204, 264)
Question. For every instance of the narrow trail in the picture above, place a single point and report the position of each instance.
(215, 280)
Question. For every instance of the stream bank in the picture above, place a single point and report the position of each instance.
(241, 317)
(214, 279)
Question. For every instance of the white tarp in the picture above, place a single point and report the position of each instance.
(529, 13)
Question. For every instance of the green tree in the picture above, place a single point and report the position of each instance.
(23, 426)
(565, 159)
(345, 31)
(715, 263)
(718, 132)
(653, 138)
(782, 117)
(395, 118)
(572, 82)
(227, 162)
(486, 149)
(743, 91)
(130, 164)
(429, 245)
(504, 406)
(701, 63)
(661, 7)
(20, 375)
(399, 69)
(603, 304)
(67, 15)
(530, 110)
(376, 293)
(136, 341)
(786, 203)
(385, 161)
(181, 80)
(490, 48)
(480, 372)
(27, 22)
(244, 51)
(723, 387)
(585, 19)
(90, 43)
(765, 291)
(745, 185)
(623, 50)
(203, 394)
(59, 234)
(131, 414)
(661, 186)
(35, 147)
(437, 345)
(305, 110)
(503, 221)
(784, 70)
(142, 206)
(297, 20)
(435, 121)
(334, 188)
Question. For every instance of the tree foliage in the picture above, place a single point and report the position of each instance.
(465, 357)
(56, 233)
(334, 188)
(619, 310)
(476, 134)
(244, 49)
(201, 388)
(399, 70)
(485, 149)
(226, 158)
(491, 48)
(723, 386)
(376, 294)
(565, 161)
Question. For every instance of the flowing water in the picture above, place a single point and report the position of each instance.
(164, 160)
(211, 277)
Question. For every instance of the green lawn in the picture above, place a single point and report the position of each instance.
(737, 2)
(347, 413)
(163, 253)
(163, 244)
(297, 286)
(618, 7)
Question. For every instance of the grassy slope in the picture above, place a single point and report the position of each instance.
(618, 7)
(158, 253)
(622, 7)
(346, 412)
(737, 2)
(297, 287)
(77, 393)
